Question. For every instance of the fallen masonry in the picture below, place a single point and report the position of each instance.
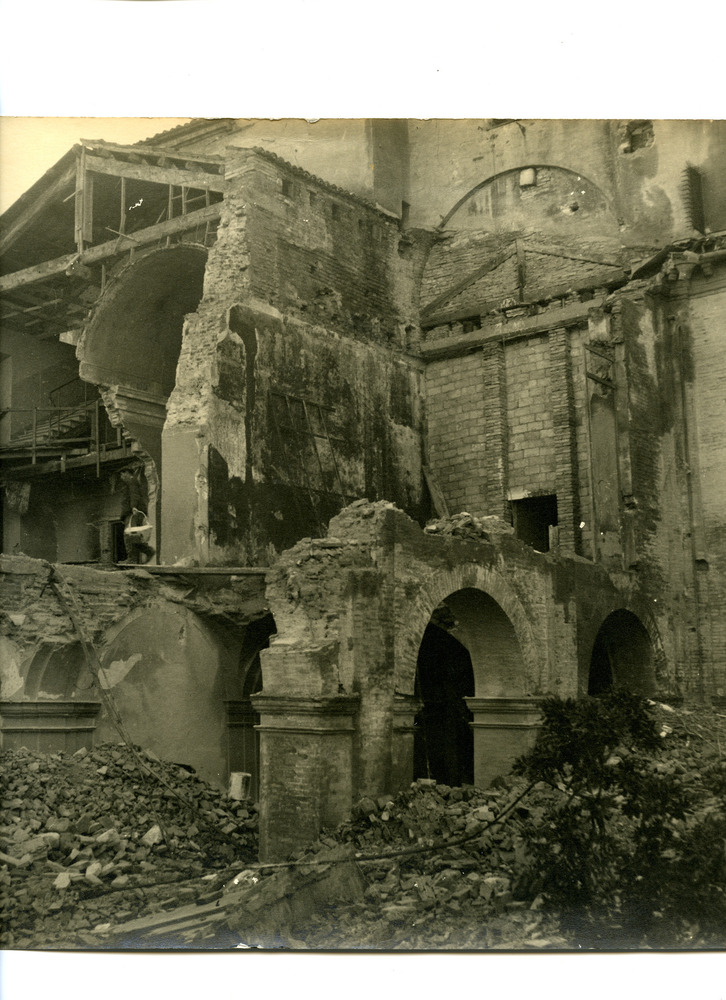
(96, 853)
(90, 838)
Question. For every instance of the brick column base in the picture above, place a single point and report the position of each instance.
(504, 728)
(306, 768)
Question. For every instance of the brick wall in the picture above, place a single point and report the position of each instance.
(531, 428)
(456, 431)
(318, 252)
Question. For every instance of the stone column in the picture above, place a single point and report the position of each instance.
(306, 768)
(504, 728)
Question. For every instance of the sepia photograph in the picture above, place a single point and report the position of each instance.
(363, 565)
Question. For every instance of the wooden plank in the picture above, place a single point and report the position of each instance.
(158, 175)
(33, 211)
(38, 272)
(152, 153)
(51, 268)
(439, 500)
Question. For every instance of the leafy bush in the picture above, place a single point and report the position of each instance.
(630, 851)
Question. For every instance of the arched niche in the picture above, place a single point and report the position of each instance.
(134, 337)
(242, 718)
(475, 717)
(59, 671)
(622, 656)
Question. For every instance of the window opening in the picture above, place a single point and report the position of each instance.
(532, 519)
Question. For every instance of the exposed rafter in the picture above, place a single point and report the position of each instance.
(104, 251)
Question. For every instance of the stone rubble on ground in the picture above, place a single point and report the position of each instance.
(91, 839)
(95, 854)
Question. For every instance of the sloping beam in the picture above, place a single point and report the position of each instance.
(140, 153)
(157, 175)
(31, 213)
(94, 255)
(462, 285)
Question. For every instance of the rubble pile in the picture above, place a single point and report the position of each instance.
(90, 839)
(96, 853)
(453, 891)
(465, 525)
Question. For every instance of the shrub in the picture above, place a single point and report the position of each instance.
(629, 852)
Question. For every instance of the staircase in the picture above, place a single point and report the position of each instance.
(77, 429)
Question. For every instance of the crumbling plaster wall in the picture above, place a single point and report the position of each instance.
(705, 404)
(306, 299)
(169, 653)
(672, 380)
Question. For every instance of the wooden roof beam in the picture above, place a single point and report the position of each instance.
(31, 213)
(156, 175)
(135, 153)
(93, 255)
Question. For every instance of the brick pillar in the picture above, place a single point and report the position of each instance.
(563, 418)
(494, 390)
(306, 769)
(504, 728)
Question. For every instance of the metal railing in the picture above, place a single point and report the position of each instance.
(64, 428)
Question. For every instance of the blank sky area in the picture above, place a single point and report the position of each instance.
(30, 146)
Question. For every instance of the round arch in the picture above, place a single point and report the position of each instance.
(134, 337)
(502, 607)
(623, 655)
(593, 190)
(58, 672)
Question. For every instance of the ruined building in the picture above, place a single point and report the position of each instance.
(421, 421)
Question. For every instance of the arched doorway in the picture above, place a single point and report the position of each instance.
(443, 745)
(475, 716)
(622, 656)
(242, 719)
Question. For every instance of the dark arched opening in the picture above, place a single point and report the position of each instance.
(244, 743)
(443, 740)
(622, 656)
(135, 335)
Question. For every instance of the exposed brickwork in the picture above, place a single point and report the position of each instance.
(531, 434)
(456, 431)
(565, 441)
(494, 387)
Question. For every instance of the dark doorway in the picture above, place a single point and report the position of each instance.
(443, 738)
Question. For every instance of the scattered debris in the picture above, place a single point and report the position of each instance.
(91, 839)
(466, 525)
